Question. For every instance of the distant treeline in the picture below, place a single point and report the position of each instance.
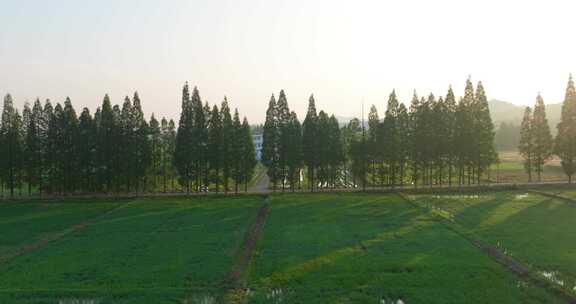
(49, 149)
(435, 141)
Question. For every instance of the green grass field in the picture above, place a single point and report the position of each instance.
(315, 248)
(365, 249)
(569, 193)
(534, 229)
(145, 251)
(25, 223)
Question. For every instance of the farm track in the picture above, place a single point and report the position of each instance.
(233, 279)
(497, 255)
(248, 246)
(27, 248)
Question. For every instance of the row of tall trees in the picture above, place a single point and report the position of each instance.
(289, 146)
(536, 142)
(434, 141)
(537, 145)
(565, 142)
(51, 149)
(213, 146)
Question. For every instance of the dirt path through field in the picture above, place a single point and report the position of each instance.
(233, 279)
(251, 238)
(27, 248)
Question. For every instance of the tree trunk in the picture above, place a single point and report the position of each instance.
(373, 172)
(382, 175)
(245, 180)
(164, 178)
(217, 179)
(283, 179)
(450, 173)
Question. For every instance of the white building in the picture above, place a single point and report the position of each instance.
(257, 138)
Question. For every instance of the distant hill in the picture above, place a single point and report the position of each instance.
(503, 111)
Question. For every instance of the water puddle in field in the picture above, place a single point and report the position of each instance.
(553, 276)
(389, 301)
(200, 299)
(79, 301)
(458, 196)
(521, 196)
(521, 284)
(275, 295)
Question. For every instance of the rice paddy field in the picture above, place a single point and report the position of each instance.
(534, 229)
(311, 248)
(142, 251)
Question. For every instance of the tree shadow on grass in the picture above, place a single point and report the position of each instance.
(425, 264)
(293, 235)
(541, 235)
(474, 215)
(351, 245)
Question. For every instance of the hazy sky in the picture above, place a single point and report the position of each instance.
(342, 52)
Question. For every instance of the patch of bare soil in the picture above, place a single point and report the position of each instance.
(233, 279)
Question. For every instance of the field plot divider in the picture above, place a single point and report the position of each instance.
(27, 248)
(553, 195)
